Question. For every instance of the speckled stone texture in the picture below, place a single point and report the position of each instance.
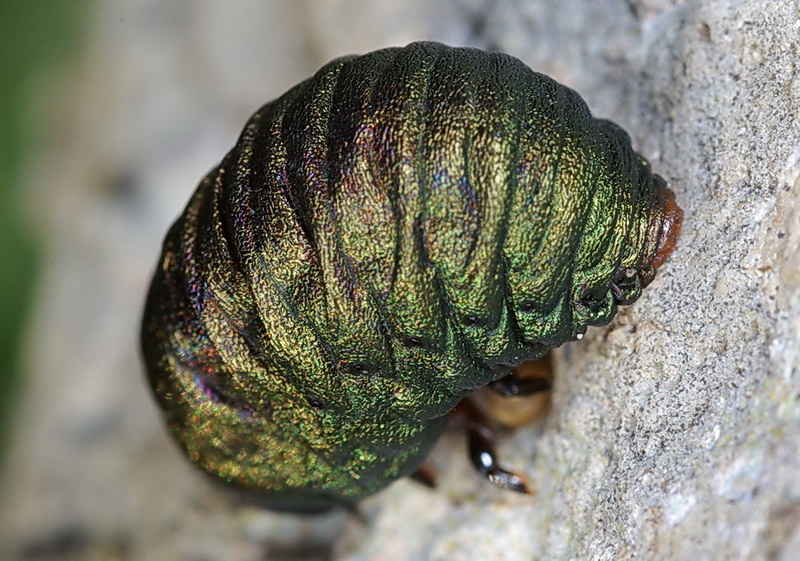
(674, 432)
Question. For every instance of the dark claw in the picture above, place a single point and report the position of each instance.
(481, 449)
(513, 385)
(483, 457)
(527, 379)
(616, 291)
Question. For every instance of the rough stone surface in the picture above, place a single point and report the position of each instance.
(674, 432)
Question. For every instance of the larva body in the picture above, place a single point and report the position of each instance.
(401, 228)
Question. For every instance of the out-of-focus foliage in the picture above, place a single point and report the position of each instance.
(36, 38)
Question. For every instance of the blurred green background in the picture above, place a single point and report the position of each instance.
(38, 41)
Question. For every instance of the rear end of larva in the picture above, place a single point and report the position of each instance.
(401, 228)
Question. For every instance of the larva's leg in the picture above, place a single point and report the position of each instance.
(520, 397)
(425, 475)
(531, 377)
(480, 441)
(513, 385)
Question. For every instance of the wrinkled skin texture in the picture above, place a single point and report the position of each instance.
(390, 234)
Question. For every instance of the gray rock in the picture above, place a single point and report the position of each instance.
(674, 432)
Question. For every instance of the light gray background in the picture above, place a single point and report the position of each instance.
(675, 431)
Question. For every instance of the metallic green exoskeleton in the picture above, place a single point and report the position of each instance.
(390, 234)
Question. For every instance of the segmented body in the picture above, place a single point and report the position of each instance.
(399, 229)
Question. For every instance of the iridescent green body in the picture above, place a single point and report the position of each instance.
(399, 229)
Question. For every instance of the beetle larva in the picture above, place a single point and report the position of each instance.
(394, 232)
